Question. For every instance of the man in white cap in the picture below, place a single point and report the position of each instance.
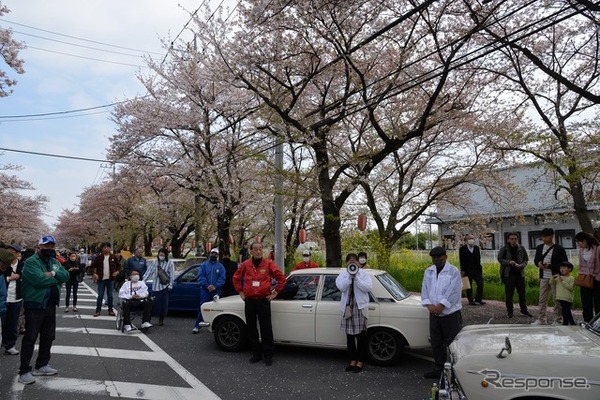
(41, 281)
(306, 262)
(211, 277)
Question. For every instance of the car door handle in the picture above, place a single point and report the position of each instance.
(372, 307)
(306, 305)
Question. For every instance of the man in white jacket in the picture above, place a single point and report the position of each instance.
(135, 293)
(441, 294)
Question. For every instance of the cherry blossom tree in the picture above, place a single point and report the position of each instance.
(9, 52)
(20, 215)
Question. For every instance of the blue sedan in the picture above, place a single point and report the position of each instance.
(185, 295)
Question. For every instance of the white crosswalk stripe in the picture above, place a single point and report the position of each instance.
(110, 388)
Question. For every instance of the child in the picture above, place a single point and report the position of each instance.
(565, 285)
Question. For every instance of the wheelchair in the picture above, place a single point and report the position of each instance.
(133, 314)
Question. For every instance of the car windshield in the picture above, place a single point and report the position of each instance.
(392, 286)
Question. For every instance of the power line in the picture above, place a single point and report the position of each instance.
(87, 58)
(80, 45)
(65, 112)
(35, 153)
(78, 38)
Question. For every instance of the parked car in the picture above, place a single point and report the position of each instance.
(307, 313)
(185, 295)
(495, 362)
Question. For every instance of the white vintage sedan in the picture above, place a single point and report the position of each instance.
(307, 313)
(524, 362)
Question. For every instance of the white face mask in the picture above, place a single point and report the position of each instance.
(135, 278)
(471, 242)
(362, 260)
(161, 258)
(306, 259)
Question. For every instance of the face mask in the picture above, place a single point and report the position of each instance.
(161, 258)
(306, 259)
(135, 278)
(439, 262)
(213, 258)
(471, 242)
(48, 253)
(362, 260)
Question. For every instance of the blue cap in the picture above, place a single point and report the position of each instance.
(47, 239)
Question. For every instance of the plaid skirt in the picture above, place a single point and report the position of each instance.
(357, 323)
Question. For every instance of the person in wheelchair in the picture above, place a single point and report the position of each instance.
(135, 297)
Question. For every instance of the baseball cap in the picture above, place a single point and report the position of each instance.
(47, 239)
(437, 251)
(306, 253)
(216, 251)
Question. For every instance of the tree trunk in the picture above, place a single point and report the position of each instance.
(331, 232)
(581, 209)
(223, 231)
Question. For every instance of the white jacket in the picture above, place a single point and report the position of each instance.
(362, 287)
(444, 288)
(130, 288)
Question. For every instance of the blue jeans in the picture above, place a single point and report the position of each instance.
(105, 285)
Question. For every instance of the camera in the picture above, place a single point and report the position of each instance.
(352, 269)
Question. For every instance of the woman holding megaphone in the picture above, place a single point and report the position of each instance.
(355, 284)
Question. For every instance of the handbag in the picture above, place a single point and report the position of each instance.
(584, 281)
(163, 276)
(465, 283)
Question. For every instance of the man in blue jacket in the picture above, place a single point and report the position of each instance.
(211, 277)
(41, 281)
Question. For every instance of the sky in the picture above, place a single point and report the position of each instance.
(81, 54)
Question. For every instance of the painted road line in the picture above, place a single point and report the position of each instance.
(118, 389)
(109, 353)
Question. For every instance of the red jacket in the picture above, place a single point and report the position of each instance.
(303, 265)
(257, 281)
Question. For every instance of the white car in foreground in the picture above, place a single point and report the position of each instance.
(307, 313)
(524, 362)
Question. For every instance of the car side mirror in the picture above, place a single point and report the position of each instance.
(507, 347)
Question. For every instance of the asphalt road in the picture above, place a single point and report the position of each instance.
(95, 361)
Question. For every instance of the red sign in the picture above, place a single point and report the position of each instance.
(362, 222)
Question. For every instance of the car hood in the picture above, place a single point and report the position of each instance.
(526, 339)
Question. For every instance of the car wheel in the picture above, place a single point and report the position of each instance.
(384, 346)
(230, 333)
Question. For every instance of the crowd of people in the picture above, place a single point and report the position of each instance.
(33, 281)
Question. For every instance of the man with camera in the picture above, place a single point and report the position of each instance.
(548, 258)
(355, 285)
(441, 294)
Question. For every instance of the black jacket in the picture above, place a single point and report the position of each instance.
(559, 255)
(470, 262)
(8, 273)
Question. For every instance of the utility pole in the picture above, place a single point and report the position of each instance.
(278, 205)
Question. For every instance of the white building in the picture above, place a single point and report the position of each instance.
(534, 202)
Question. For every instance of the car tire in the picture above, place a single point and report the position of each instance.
(230, 333)
(384, 346)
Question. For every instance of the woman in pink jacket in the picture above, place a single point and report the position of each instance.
(589, 263)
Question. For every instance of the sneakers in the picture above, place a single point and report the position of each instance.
(203, 324)
(67, 309)
(75, 309)
(46, 370)
(480, 303)
(254, 359)
(127, 328)
(195, 330)
(146, 325)
(12, 351)
(538, 322)
(26, 379)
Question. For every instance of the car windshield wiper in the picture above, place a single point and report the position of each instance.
(590, 327)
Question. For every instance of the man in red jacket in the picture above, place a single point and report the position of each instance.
(257, 274)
